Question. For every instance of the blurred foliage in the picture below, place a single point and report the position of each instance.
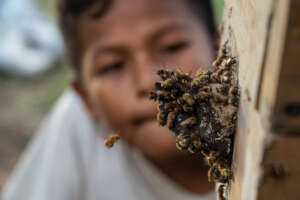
(218, 9)
(48, 6)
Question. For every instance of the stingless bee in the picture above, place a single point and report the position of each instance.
(111, 140)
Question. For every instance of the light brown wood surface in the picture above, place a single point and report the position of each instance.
(265, 37)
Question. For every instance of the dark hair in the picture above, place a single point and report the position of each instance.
(70, 10)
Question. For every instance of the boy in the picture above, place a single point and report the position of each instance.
(115, 48)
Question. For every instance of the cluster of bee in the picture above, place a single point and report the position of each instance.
(201, 111)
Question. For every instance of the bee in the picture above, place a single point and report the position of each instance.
(167, 83)
(202, 72)
(192, 149)
(230, 61)
(163, 94)
(195, 146)
(219, 98)
(211, 158)
(180, 101)
(233, 100)
(183, 141)
(179, 75)
(221, 190)
(218, 173)
(163, 73)
(169, 106)
(188, 122)
(219, 71)
(200, 81)
(153, 96)
(225, 79)
(233, 90)
(218, 61)
(160, 117)
(203, 95)
(187, 108)
(223, 89)
(188, 99)
(170, 120)
(212, 174)
(226, 173)
(215, 77)
(111, 140)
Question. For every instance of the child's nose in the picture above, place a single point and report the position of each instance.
(145, 76)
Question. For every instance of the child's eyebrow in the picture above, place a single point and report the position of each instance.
(118, 49)
(166, 29)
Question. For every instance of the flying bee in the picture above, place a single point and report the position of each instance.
(111, 140)
(188, 122)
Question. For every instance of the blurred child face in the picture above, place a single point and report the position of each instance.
(121, 53)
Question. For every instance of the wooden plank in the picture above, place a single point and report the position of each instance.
(265, 37)
(273, 62)
(246, 28)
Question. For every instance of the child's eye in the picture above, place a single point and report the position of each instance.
(111, 68)
(175, 47)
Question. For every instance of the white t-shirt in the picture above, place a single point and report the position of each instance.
(68, 161)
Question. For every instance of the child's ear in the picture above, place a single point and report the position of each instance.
(78, 87)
